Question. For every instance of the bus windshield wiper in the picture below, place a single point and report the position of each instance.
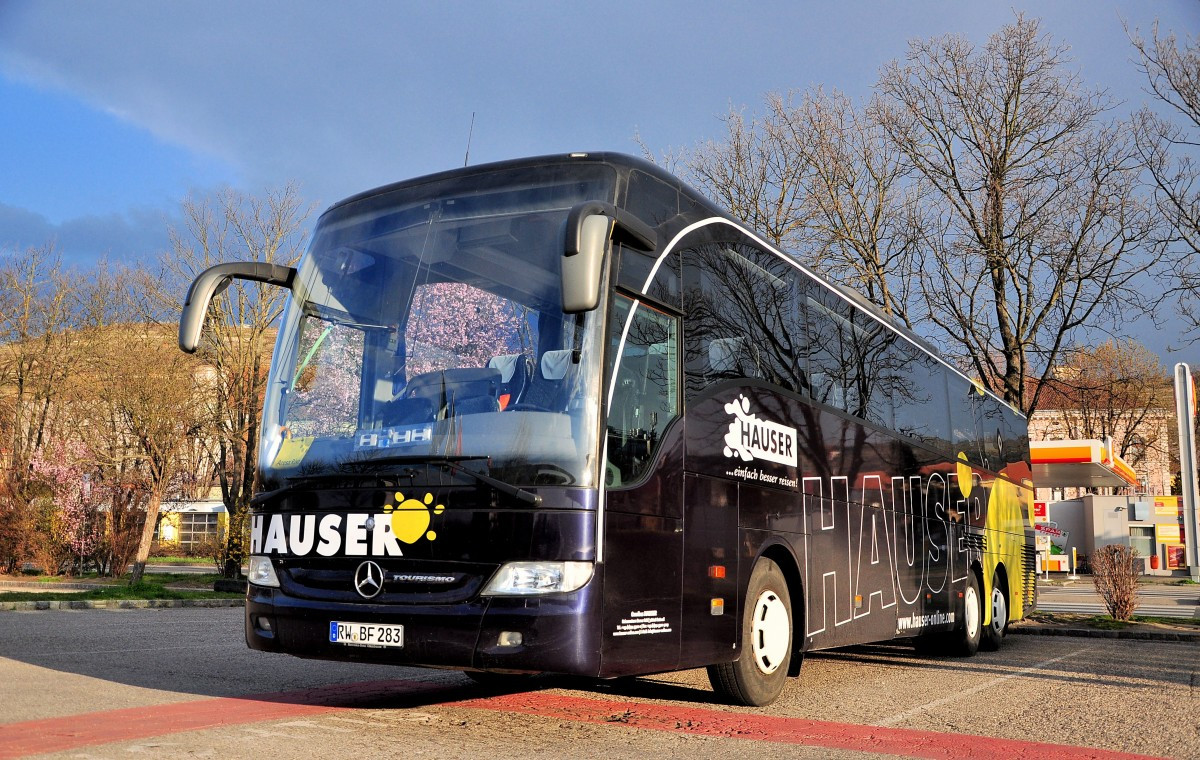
(508, 489)
(454, 462)
(295, 483)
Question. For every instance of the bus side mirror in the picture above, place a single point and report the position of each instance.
(590, 225)
(215, 279)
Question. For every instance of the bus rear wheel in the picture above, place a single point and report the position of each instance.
(993, 632)
(759, 674)
(965, 640)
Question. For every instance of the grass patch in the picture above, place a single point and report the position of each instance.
(173, 560)
(191, 580)
(1189, 622)
(53, 580)
(1106, 623)
(140, 591)
(50, 580)
(183, 586)
(151, 579)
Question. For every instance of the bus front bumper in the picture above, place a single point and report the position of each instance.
(551, 634)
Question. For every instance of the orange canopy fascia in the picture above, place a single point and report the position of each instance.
(1079, 464)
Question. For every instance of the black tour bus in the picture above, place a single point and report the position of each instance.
(565, 415)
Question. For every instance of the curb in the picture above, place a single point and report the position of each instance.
(1094, 633)
(119, 604)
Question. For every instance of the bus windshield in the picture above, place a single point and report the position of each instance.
(426, 323)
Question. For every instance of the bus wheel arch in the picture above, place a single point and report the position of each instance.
(999, 611)
(759, 674)
(781, 556)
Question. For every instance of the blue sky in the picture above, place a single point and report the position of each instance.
(111, 112)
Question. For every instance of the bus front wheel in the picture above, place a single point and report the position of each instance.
(759, 674)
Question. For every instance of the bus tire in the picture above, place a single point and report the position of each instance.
(993, 633)
(965, 640)
(758, 676)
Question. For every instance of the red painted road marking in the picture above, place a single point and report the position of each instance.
(813, 733)
(60, 734)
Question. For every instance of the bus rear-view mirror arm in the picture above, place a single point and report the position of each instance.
(215, 279)
(590, 225)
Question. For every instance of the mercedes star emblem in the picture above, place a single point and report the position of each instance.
(368, 580)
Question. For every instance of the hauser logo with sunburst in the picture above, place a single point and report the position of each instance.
(379, 534)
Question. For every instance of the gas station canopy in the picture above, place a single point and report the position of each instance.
(1079, 464)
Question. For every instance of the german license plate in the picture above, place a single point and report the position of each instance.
(366, 634)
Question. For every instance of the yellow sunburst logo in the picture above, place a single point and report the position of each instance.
(410, 517)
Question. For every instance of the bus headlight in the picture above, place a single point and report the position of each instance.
(529, 578)
(262, 572)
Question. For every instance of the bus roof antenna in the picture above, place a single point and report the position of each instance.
(470, 134)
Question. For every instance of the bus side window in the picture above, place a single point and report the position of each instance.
(964, 403)
(830, 365)
(741, 317)
(991, 432)
(846, 355)
(731, 358)
(872, 344)
(1015, 448)
(644, 388)
(918, 389)
(777, 332)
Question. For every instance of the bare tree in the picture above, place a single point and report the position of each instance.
(37, 363)
(1043, 223)
(862, 217)
(1119, 389)
(757, 175)
(1115, 570)
(816, 177)
(154, 396)
(96, 405)
(983, 198)
(240, 331)
(1169, 149)
(37, 317)
(145, 399)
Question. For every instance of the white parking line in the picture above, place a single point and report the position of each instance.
(903, 716)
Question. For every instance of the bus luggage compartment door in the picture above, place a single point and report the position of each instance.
(711, 609)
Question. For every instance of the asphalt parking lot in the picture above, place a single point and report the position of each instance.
(107, 683)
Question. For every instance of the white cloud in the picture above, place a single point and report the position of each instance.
(340, 97)
(137, 235)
